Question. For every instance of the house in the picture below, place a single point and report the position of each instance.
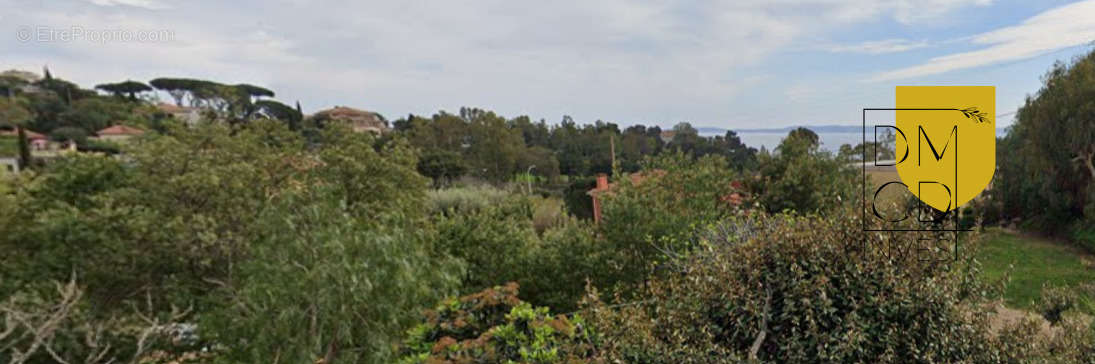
(359, 120)
(28, 80)
(603, 187)
(667, 136)
(36, 141)
(188, 115)
(118, 133)
(9, 165)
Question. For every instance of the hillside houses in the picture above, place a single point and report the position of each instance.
(359, 120)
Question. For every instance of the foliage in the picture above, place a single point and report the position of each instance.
(465, 200)
(128, 87)
(56, 326)
(1046, 170)
(577, 199)
(801, 177)
(97, 113)
(793, 289)
(687, 139)
(499, 242)
(68, 133)
(495, 148)
(323, 283)
(442, 166)
(654, 214)
(494, 326)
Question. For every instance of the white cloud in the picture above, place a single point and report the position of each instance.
(879, 47)
(147, 4)
(627, 61)
(1054, 29)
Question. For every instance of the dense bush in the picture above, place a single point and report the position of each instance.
(494, 326)
(812, 289)
(1046, 163)
(576, 196)
(503, 242)
(322, 283)
(653, 215)
(255, 214)
(802, 177)
(464, 199)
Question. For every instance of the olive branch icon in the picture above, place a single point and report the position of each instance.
(973, 114)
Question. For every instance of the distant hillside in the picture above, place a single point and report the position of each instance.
(710, 130)
(707, 130)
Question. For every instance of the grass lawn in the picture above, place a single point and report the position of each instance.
(1036, 261)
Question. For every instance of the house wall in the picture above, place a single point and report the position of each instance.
(9, 165)
(115, 138)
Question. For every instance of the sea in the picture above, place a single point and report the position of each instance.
(830, 141)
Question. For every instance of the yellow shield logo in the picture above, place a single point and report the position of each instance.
(950, 138)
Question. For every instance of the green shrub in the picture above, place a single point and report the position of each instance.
(464, 199)
(811, 289)
(324, 284)
(1084, 235)
(802, 177)
(494, 326)
(658, 213)
(547, 213)
(577, 199)
(500, 243)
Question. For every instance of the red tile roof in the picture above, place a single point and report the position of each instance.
(30, 134)
(120, 130)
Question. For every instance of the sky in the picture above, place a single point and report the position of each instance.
(729, 64)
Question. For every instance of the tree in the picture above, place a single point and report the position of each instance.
(10, 84)
(13, 112)
(799, 176)
(95, 113)
(276, 110)
(324, 284)
(69, 133)
(178, 88)
(255, 91)
(128, 87)
(1047, 161)
(25, 157)
(442, 166)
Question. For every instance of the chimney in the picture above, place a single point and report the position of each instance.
(602, 185)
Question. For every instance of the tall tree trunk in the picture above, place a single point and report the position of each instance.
(24, 148)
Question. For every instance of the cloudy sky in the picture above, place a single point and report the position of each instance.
(733, 64)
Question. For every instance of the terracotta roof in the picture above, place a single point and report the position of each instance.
(120, 130)
(637, 178)
(30, 134)
(356, 117)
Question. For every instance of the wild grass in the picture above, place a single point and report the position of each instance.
(1032, 263)
(473, 198)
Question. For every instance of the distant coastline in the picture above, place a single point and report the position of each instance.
(711, 130)
(831, 136)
